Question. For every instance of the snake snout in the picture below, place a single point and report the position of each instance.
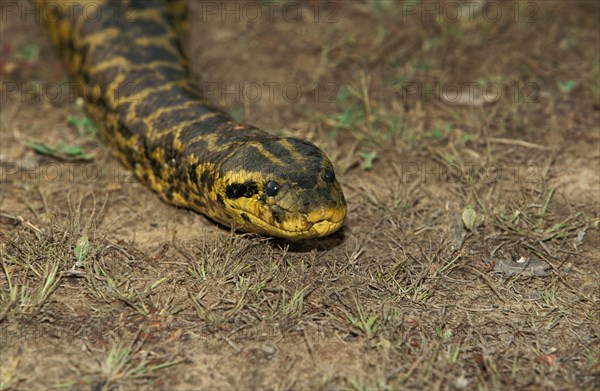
(325, 221)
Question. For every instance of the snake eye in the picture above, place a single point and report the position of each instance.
(329, 175)
(271, 188)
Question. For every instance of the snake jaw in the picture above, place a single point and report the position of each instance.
(294, 225)
(324, 222)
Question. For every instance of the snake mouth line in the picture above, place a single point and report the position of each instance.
(313, 229)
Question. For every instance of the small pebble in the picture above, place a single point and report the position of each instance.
(268, 349)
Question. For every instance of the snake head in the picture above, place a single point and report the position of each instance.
(281, 187)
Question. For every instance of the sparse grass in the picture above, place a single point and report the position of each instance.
(365, 118)
(124, 363)
(83, 124)
(108, 288)
(28, 299)
(366, 324)
(29, 277)
(223, 261)
(9, 374)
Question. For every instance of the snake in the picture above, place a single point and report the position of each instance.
(127, 60)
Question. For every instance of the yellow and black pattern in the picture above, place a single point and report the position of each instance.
(127, 61)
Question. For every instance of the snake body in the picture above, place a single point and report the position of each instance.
(126, 60)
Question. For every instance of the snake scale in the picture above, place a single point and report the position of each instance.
(127, 61)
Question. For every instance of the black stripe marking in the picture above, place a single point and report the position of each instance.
(245, 217)
(239, 190)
